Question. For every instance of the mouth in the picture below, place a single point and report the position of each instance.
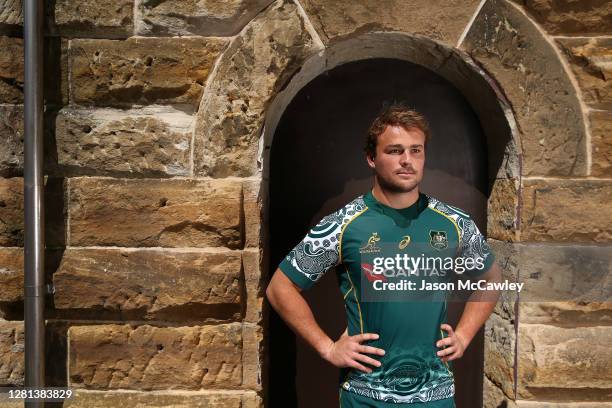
(405, 172)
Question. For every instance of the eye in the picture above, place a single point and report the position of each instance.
(395, 151)
(416, 150)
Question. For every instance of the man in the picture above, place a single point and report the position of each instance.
(397, 346)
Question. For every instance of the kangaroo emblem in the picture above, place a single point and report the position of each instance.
(371, 246)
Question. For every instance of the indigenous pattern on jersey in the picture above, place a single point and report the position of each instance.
(319, 250)
(354, 239)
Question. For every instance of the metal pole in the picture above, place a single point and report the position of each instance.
(34, 251)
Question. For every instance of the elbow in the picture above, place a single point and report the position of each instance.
(269, 293)
(272, 294)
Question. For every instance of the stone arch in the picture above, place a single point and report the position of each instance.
(505, 66)
(457, 67)
(539, 86)
(501, 38)
(453, 65)
(500, 52)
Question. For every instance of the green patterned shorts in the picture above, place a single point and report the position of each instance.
(352, 400)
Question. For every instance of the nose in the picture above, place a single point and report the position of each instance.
(405, 158)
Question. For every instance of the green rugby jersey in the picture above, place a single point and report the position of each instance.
(355, 239)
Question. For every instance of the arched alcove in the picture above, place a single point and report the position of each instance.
(314, 163)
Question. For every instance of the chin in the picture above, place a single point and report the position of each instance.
(400, 187)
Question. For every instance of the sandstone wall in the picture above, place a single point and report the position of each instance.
(155, 115)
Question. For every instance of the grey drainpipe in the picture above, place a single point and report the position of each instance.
(34, 251)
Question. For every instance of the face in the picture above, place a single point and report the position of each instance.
(400, 159)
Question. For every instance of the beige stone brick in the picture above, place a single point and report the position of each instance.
(11, 211)
(11, 140)
(591, 63)
(528, 68)
(11, 70)
(494, 397)
(566, 210)
(601, 144)
(197, 17)
(252, 358)
(160, 399)
(149, 212)
(557, 404)
(251, 265)
(149, 142)
(253, 216)
(141, 70)
(499, 353)
(502, 211)
(155, 358)
(569, 358)
(11, 274)
(108, 18)
(11, 353)
(260, 61)
(440, 20)
(150, 284)
(587, 17)
(11, 12)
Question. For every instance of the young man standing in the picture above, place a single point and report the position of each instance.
(391, 246)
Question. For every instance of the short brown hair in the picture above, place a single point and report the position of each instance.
(397, 114)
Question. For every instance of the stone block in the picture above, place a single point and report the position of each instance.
(439, 20)
(499, 353)
(550, 404)
(155, 358)
(569, 358)
(591, 63)
(150, 284)
(149, 212)
(161, 399)
(251, 265)
(494, 397)
(260, 61)
(529, 70)
(11, 275)
(102, 18)
(252, 356)
(11, 12)
(502, 211)
(11, 211)
(11, 70)
(563, 17)
(197, 17)
(566, 210)
(253, 216)
(11, 353)
(601, 143)
(141, 70)
(11, 140)
(151, 142)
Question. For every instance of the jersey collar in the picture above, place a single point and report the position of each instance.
(401, 216)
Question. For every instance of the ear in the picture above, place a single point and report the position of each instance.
(370, 162)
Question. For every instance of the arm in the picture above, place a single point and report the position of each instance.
(286, 299)
(477, 310)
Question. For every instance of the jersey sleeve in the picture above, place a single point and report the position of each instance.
(473, 248)
(314, 255)
(319, 251)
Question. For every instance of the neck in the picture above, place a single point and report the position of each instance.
(395, 199)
